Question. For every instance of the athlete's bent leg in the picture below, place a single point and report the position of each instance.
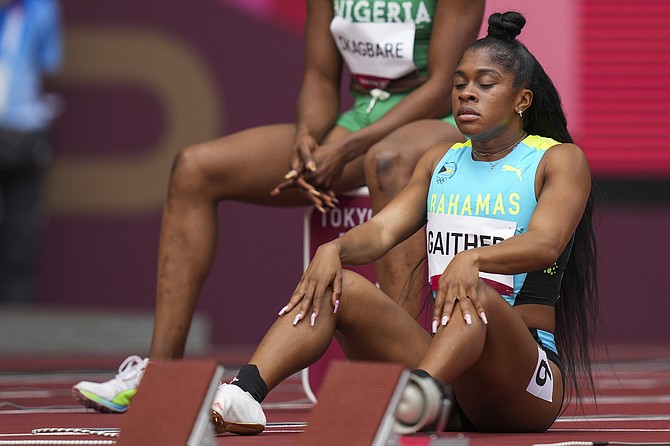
(244, 166)
(369, 326)
(491, 365)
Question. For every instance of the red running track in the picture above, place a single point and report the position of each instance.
(633, 404)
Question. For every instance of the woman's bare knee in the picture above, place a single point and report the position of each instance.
(487, 295)
(387, 170)
(191, 172)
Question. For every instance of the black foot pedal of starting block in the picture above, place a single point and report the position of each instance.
(172, 406)
(355, 405)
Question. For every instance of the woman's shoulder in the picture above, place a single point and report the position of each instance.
(560, 156)
(440, 149)
(552, 146)
(540, 142)
(436, 153)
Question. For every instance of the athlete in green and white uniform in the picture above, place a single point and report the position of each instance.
(385, 46)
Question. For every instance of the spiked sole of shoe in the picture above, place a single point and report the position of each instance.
(77, 395)
(221, 426)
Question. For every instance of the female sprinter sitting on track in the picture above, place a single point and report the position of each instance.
(401, 56)
(508, 217)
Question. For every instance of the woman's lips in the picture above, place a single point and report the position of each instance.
(467, 114)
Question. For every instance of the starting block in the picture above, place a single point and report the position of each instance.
(172, 406)
(356, 405)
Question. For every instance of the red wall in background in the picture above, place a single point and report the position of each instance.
(100, 243)
(625, 67)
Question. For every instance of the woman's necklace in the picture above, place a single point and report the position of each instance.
(479, 155)
(492, 164)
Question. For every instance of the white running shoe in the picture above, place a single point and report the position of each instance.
(113, 395)
(236, 411)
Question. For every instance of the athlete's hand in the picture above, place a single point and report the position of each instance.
(302, 163)
(330, 161)
(458, 283)
(323, 272)
(301, 159)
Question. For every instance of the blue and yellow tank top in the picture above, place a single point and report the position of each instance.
(473, 203)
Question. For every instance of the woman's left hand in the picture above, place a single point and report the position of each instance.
(330, 162)
(458, 283)
(321, 199)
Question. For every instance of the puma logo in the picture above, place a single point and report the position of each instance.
(508, 168)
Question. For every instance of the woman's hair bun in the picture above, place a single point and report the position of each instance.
(506, 26)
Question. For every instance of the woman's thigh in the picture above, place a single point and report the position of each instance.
(496, 393)
(247, 165)
(394, 156)
(374, 327)
(412, 140)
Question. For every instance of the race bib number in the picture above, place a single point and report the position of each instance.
(378, 50)
(541, 384)
(447, 235)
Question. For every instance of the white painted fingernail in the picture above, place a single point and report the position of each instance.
(482, 315)
(445, 319)
(283, 310)
(337, 306)
(468, 318)
(434, 326)
(297, 318)
(312, 318)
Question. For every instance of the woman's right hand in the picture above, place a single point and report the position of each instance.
(323, 272)
(301, 159)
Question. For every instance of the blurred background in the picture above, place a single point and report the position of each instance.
(142, 79)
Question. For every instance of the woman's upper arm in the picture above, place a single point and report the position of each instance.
(322, 59)
(563, 186)
(457, 23)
